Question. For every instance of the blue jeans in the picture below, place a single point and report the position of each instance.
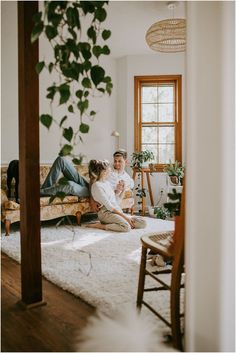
(76, 185)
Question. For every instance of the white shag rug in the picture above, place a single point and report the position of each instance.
(100, 267)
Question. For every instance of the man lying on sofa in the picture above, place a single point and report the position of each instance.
(77, 185)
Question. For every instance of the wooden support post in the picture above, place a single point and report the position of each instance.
(31, 276)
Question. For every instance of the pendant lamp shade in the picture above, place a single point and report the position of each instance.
(168, 36)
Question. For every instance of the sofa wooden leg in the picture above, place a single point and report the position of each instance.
(78, 218)
(7, 227)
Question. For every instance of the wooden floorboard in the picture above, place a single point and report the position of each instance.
(50, 328)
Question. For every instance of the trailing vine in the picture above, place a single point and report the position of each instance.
(74, 30)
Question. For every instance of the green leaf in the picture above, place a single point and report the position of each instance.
(84, 128)
(50, 67)
(87, 6)
(59, 194)
(77, 161)
(37, 30)
(52, 198)
(79, 93)
(106, 34)
(86, 93)
(93, 112)
(46, 120)
(107, 79)
(105, 50)
(63, 181)
(109, 87)
(52, 90)
(71, 109)
(86, 82)
(51, 32)
(64, 90)
(73, 17)
(37, 17)
(85, 48)
(97, 74)
(92, 34)
(68, 133)
(66, 150)
(100, 14)
(101, 89)
(39, 67)
(73, 33)
(97, 50)
(87, 65)
(62, 120)
(83, 105)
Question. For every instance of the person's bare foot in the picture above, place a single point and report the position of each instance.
(95, 225)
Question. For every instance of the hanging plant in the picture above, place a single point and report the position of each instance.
(75, 32)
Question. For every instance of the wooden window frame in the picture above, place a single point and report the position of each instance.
(177, 80)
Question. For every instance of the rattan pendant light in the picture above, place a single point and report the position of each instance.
(168, 36)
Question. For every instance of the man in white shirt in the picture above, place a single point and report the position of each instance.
(118, 175)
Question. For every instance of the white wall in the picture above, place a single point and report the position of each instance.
(97, 144)
(210, 241)
(9, 82)
(139, 65)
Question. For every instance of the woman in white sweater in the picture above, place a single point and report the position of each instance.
(110, 213)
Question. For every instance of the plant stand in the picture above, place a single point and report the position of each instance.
(143, 171)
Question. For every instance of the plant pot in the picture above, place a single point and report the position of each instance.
(174, 179)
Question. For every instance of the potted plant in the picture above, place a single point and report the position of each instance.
(139, 158)
(137, 161)
(175, 172)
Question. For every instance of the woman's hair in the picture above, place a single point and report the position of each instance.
(96, 167)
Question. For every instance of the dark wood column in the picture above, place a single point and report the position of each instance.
(31, 276)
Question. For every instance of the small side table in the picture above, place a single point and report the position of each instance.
(143, 171)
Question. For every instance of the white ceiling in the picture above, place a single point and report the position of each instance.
(130, 20)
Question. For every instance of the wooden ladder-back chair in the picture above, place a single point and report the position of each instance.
(176, 254)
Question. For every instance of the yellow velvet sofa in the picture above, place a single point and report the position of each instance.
(69, 206)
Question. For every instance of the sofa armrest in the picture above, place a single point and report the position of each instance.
(4, 197)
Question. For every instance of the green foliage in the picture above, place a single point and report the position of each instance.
(138, 158)
(173, 207)
(174, 169)
(161, 212)
(59, 194)
(76, 64)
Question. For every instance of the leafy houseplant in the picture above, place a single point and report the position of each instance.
(74, 30)
(138, 158)
(175, 172)
(173, 207)
(161, 212)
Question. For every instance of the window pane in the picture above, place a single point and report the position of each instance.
(166, 153)
(149, 94)
(149, 112)
(166, 94)
(166, 134)
(159, 134)
(149, 134)
(165, 112)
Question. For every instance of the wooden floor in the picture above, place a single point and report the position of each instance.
(50, 328)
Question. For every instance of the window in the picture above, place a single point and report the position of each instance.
(158, 117)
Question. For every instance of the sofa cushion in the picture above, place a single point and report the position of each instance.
(44, 201)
